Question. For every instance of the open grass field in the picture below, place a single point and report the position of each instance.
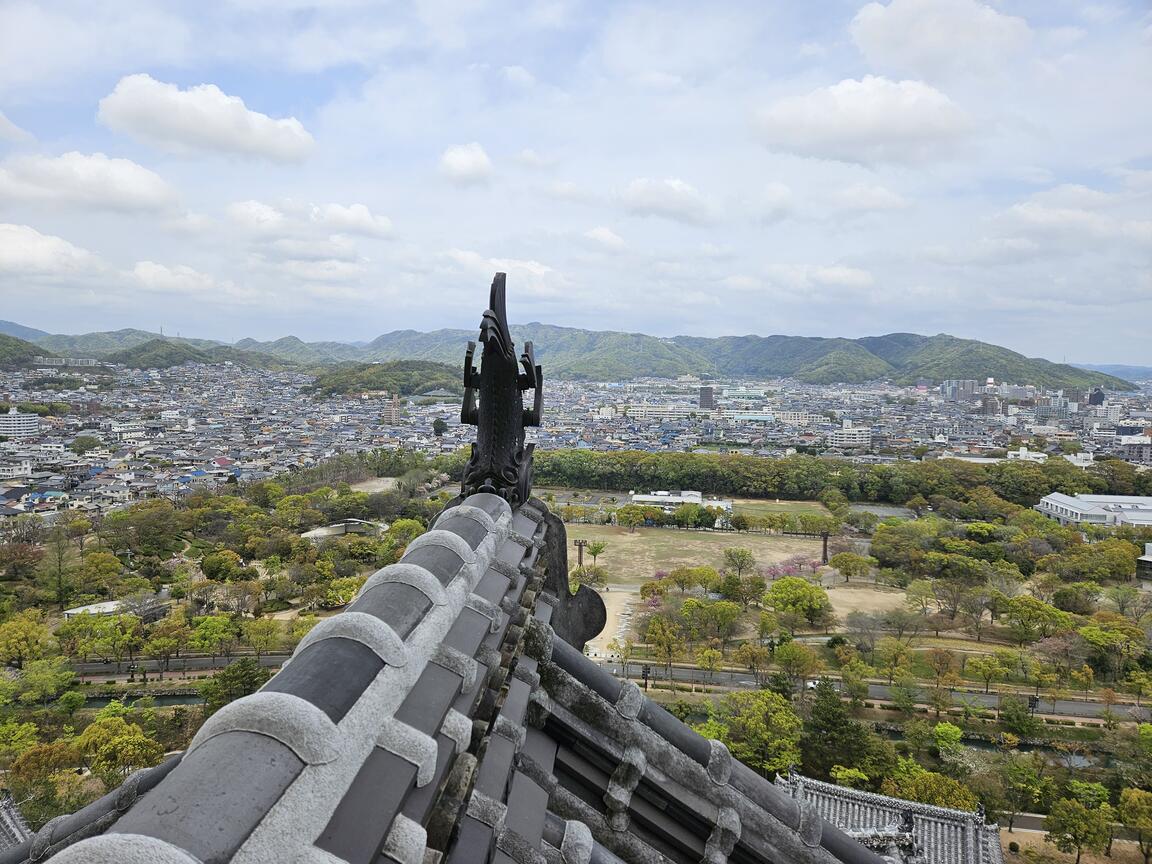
(632, 558)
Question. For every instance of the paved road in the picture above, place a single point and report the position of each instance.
(1065, 707)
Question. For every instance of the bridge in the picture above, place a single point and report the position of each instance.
(450, 715)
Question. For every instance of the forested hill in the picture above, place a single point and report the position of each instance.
(606, 355)
(403, 377)
(568, 352)
(17, 352)
(163, 354)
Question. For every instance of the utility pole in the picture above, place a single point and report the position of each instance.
(580, 544)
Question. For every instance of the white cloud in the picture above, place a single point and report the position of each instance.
(864, 197)
(324, 270)
(606, 237)
(172, 280)
(9, 131)
(525, 276)
(518, 76)
(353, 219)
(568, 190)
(257, 217)
(842, 277)
(24, 251)
(335, 248)
(670, 198)
(934, 38)
(775, 202)
(533, 159)
(93, 181)
(868, 120)
(466, 164)
(201, 119)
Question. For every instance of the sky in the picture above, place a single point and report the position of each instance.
(336, 170)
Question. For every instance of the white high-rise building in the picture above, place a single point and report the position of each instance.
(17, 425)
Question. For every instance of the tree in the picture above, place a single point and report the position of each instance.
(114, 748)
(625, 651)
(631, 516)
(852, 565)
(909, 780)
(15, 738)
(24, 637)
(239, 678)
(754, 657)
(17, 559)
(222, 566)
(759, 728)
(1074, 827)
(832, 739)
(262, 635)
(798, 662)
(892, 655)
(439, 426)
(99, 572)
(595, 548)
(739, 561)
(590, 575)
(1022, 783)
(1136, 815)
(949, 740)
(666, 641)
(986, 667)
(708, 661)
(793, 595)
(70, 702)
(57, 569)
(42, 680)
(81, 444)
(215, 635)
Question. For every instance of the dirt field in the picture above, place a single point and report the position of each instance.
(632, 558)
(847, 598)
(619, 604)
(1123, 852)
(376, 484)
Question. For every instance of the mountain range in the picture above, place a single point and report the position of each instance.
(568, 352)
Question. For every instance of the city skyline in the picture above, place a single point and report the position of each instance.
(259, 169)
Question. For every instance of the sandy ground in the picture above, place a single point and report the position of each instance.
(636, 556)
(620, 602)
(846, 597)
(376, 484)
(1123, 852)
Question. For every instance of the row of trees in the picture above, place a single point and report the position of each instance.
(806, 477)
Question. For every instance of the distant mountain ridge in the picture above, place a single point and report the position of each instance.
(607, 355)
(1120, 370)
(165, 353)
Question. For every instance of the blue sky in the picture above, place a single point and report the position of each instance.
(336, 170)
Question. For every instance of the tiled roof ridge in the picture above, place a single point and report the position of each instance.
(876, 799)
(317, 722)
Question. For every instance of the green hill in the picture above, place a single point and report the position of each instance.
(17, 352)
(606, 355)
(165, 353)
(99, 344)
(405, 377)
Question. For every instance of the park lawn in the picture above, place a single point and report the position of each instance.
(634, 557)
(764, 507)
